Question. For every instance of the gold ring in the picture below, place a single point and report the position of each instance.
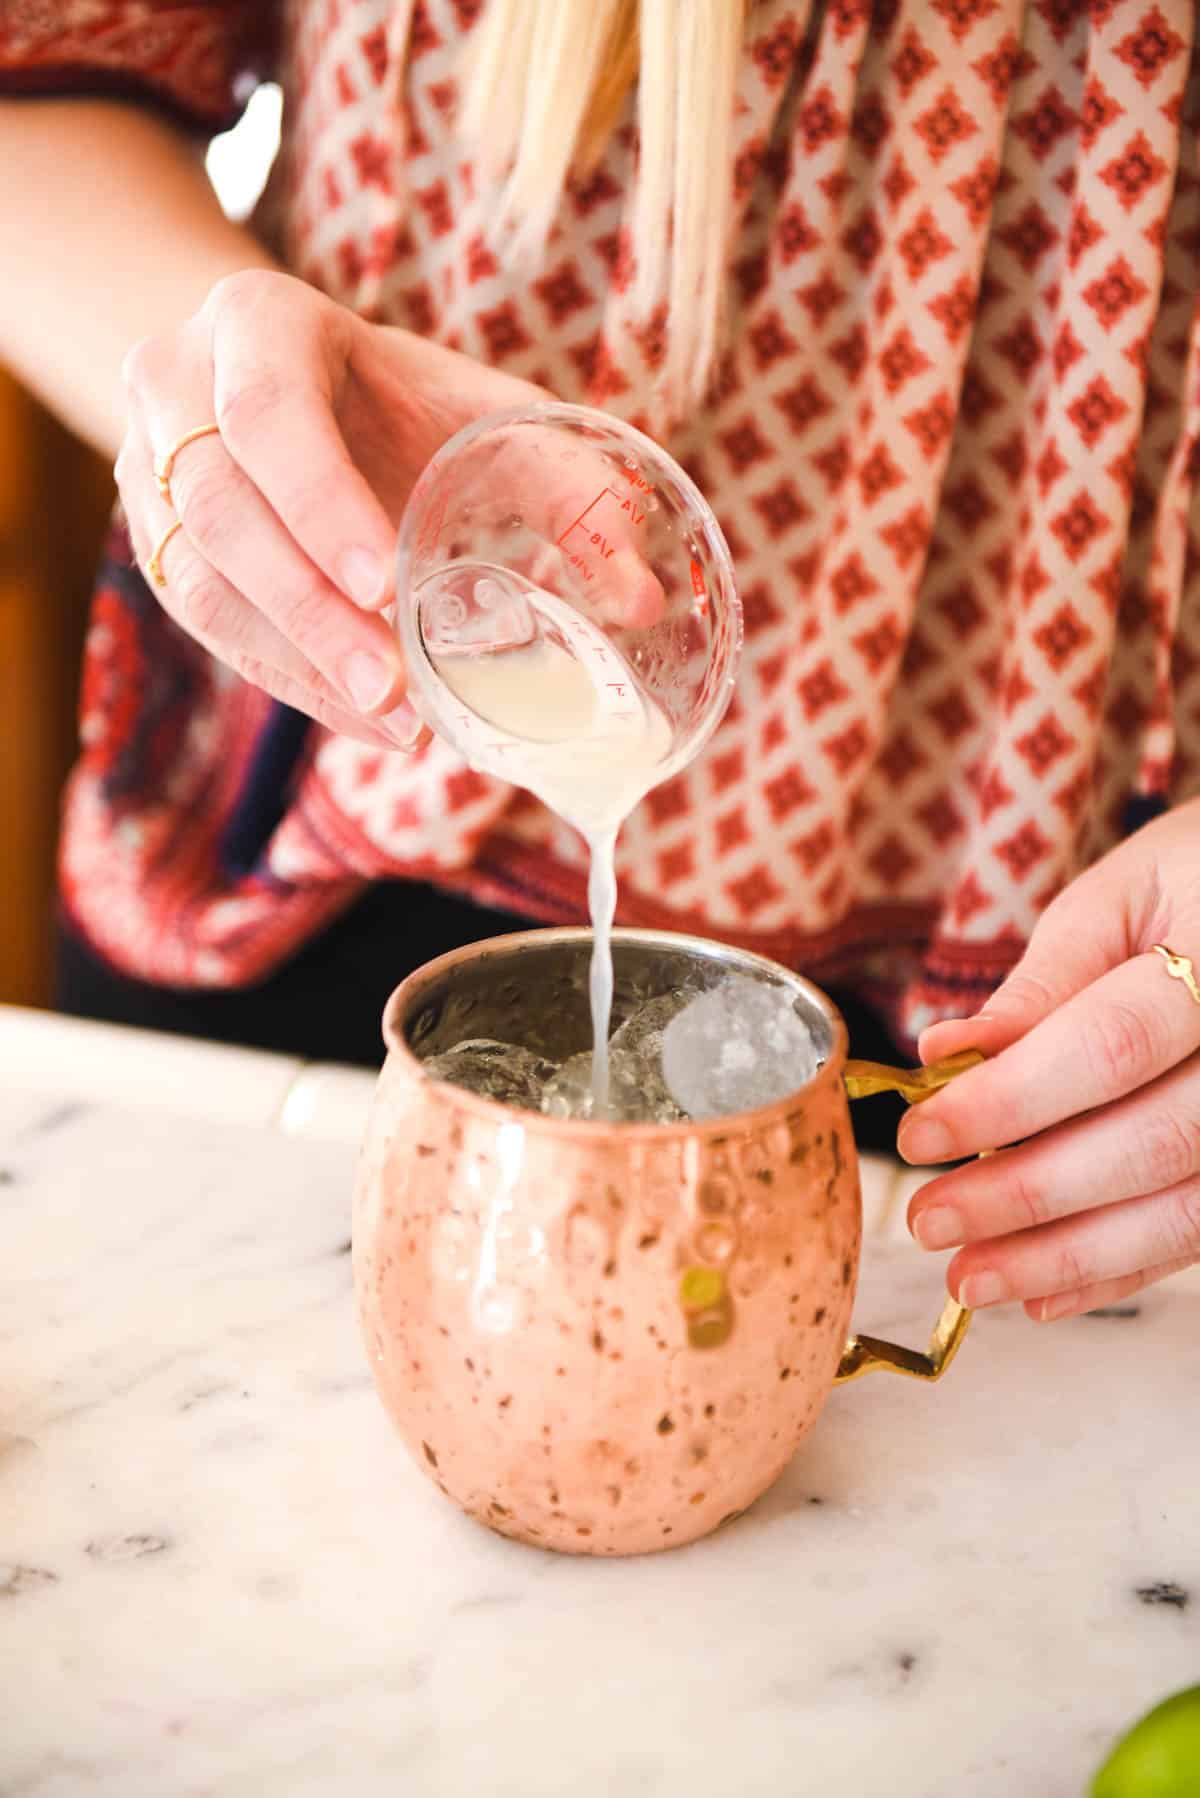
(164, 464)
(1179, 967)
(154, 566)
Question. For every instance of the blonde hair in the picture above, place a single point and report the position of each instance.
(548, 82)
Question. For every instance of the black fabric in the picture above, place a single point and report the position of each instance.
(326, 1003)
(264, 796)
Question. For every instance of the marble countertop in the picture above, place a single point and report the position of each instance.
(219, 1573)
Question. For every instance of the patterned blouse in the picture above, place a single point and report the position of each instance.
(954, 445)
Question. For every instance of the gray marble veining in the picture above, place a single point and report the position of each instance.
(220, 1575)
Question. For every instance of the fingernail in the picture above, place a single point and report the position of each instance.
(943, 1024)
(403, 724)
(978, 1290)
(938, 1228)
(361, 574)
(924, 1139)
(1058, 1306)
(367, 678)
(952, 1024)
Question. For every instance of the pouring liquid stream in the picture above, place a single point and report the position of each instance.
(590, 748)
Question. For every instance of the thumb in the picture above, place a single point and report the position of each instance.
(1079, 937)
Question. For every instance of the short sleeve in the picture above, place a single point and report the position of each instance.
(198, 62)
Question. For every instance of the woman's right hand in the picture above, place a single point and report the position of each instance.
(289, 513)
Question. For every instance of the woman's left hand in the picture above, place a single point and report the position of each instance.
(1091, 1095)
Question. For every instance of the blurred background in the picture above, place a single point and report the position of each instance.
(55, 497)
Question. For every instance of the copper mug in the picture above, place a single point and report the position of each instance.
(610, 1338)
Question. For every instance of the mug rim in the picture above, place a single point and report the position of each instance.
(401, 1003)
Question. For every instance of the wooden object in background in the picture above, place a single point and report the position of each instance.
(54, 500)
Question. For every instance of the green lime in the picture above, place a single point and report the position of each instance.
(1160, 1757)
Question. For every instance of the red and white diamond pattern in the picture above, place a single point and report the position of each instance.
(954, 446)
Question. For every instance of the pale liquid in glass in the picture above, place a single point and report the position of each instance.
(589, 760)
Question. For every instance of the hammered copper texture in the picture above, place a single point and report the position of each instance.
(602, 1339)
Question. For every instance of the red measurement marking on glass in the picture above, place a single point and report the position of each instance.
(595, 547)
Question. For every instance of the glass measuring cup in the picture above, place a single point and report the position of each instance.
(562, 536)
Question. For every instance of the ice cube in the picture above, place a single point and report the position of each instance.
(637, 1090)
(568, 1093)
(741, 1045)
(637, 1093)
(497, 1071)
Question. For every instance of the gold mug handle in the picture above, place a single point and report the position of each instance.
(863, 1354)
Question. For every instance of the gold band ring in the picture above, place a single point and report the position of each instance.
(164, 464)
(154, 566)
(1179, 967)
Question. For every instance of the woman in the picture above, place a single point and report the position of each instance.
(910, 288)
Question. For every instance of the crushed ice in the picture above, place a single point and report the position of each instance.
(738, 1046)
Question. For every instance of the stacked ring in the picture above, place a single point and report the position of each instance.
(162, 480)
(164, 464)
(154, 566)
